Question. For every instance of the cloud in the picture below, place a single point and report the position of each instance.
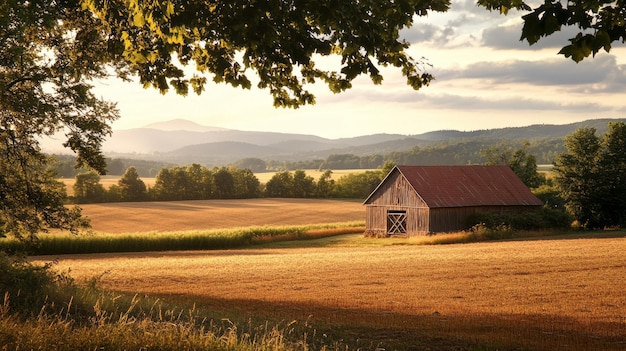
(422, 33)
(453, 28)
(600, 73)
(479, 100)
(457, 102)
(508, 37)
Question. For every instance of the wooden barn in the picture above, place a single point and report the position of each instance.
(418, 200)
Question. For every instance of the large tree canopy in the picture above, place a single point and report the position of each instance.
(277, 39)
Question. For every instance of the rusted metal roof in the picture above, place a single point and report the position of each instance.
(462, 186)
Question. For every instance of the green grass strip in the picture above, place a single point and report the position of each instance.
(62, 243)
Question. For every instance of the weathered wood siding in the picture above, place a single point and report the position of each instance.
(417, 221)
(396, 194)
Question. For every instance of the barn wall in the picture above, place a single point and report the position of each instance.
(396, 191)
(417, 221)
(396, 194)
(376, 221)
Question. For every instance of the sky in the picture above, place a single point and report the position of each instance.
(484, 78)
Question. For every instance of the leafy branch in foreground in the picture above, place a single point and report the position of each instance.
(278, 40)
(600, 23)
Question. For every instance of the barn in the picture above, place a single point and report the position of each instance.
(418, 200)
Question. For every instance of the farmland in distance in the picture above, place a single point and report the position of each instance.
(121, 217)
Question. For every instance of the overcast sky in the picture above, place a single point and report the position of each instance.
(485, 78)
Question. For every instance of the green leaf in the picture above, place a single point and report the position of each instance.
(603, 40)
(575, 52)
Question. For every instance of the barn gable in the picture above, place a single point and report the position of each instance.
(426, 199)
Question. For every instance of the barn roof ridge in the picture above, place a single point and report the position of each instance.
(467, 185)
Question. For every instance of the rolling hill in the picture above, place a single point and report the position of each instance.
(184, 142)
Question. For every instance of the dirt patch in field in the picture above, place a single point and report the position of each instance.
(213, 214)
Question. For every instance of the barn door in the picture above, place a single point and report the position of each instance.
(396, 222)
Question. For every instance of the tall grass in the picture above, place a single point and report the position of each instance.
(47, 311)
(105, 330)
(60, 243)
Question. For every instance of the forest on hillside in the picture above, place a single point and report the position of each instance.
(444, 153)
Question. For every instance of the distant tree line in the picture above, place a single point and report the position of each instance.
(458, 153)
(196, 182)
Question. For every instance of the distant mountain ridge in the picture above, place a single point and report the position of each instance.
(182, 124)
(173, 141)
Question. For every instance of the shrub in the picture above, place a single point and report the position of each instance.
(24, 286)
(546, 218)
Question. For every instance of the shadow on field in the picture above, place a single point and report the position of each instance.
(370, 330)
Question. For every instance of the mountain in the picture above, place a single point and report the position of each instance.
(170, 136)
(183, 142)
(182, 124)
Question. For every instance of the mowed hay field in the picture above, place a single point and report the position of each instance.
(125, 217)
(563, 294)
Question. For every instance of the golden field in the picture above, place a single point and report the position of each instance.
(564, 293)
(545, 294)
(124, 217)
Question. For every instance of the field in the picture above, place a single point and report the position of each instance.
(543, 294)
(538, 293)
(126, 217)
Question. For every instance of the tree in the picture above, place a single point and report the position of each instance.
(48, 52)
(357, 185)
(591, 176)
(600, 23)
(576, 174)
(387, 167)
(183, 183)
(302, 185)
(612, 163)
(280, 185)
(87, 188)
(132, 188)
(224, 184)
(162, 189)
(325, 184)
(523, 164)
(247, 185)
(199, 182)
